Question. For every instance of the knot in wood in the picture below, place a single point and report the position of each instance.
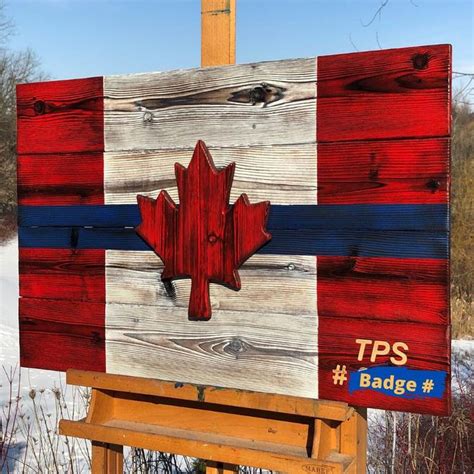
(258, 94)
(148, 117)
(39, 107)
(433, 184)
(235, 346)
(420, 61)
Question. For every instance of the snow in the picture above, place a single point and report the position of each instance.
(9, 348)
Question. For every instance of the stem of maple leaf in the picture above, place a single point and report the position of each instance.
(199, 301)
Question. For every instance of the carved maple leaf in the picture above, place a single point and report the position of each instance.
(203, 238)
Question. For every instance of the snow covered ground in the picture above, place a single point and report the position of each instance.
(46, 385)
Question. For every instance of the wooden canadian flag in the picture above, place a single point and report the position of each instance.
(348, 301)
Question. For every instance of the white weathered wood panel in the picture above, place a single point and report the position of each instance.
(259, 338)
(283, 284)
(175, 109)
(283, 174)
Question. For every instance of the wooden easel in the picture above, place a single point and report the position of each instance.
(226, 427)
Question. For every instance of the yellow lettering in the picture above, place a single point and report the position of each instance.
(364, 380)
(411, 386)
(377, 383)
(363, 343)
(399, 387)
(403, 357)
(388, 383)
(380, 348)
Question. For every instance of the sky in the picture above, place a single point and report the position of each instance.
(81, 38)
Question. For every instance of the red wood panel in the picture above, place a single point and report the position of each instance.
(61, 179)
(62, 274)
(384, 171)
(62, 334)
(428, 350)
(384, 94)
(411, 290)
(60, 116)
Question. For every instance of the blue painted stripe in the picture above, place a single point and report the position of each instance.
(413, 217)
(363, 243)
(400, 382)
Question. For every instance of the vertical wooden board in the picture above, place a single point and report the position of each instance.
(61, 179)
(60, 116)
(269, 103)
(61, 334)
(62, 274)
(384, 171)
(217, 32)
(392, 93)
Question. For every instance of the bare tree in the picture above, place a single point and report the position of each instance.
(15, 67)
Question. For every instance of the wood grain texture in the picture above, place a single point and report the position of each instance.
(428, 349)
(272, 283)
(60, 116)
(265, 332)
(395, 93)
(61, 179)
(283, 174)
(270, 103)
(384, 171)
(247, 350)
(384, 289)
(205, 238)
(60, 334)
(62, 274)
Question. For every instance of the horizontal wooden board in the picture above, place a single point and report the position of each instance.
(357, 243)
(62, 274)
(60, 116)
(61, 179)
(384, 289)
(218, 105)
(263, 352)
(270, 284)
(384, 171)
(395, 93)
(428, 350)
(283, 174)
(60, 334)
(407, 217)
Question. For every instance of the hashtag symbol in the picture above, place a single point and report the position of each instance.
(427, 386)
(340, 375)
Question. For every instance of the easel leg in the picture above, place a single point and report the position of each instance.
(220, 468)
(354, 439)
(107, 458)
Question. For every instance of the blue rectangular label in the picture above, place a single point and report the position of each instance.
(399, 382)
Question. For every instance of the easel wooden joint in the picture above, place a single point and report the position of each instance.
(224, 426)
